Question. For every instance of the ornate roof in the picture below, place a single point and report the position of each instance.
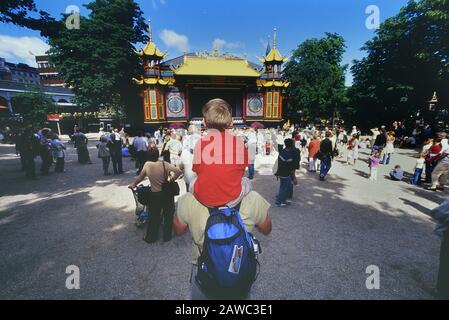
(215, 65)
(273, 83)
(273, 55)
(150, 49)
(153, 81)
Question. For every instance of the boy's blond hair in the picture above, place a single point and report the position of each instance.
(217, 114)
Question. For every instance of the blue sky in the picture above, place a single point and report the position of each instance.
(240, 27)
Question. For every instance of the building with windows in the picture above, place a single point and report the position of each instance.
(20, 73)
(175, 90)
(62, 97)
(49, 75)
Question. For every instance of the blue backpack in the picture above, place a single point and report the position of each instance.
(227, 267)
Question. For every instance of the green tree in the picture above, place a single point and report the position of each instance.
(406, 62)
(98, 60)
(317, 77)
(24, 13)
(33, 106)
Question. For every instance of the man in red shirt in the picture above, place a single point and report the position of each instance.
(220, 160)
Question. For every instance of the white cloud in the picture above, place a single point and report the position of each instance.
(174, 40)
(154, 3)
(21, 49)
(220, 44)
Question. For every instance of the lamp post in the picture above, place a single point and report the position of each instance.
(433, 102)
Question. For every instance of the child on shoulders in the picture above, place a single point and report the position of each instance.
(220, 159)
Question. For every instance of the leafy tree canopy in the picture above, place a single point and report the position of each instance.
(33, 106)
(406, 62)
(97, 59)
(24, 13)
(317, 77)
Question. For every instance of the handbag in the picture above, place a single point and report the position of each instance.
(144, 195)
(169, 188)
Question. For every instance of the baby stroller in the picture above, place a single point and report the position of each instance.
(141, 196)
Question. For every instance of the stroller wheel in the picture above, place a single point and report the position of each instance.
(140, 222)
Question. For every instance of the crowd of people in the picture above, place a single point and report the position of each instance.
(213, 162)
(43, 143)
(211, 184)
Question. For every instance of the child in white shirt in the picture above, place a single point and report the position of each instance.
(419, 167)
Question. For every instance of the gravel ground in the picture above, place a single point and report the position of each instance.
(320, 246)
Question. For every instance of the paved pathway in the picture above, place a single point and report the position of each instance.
(319, 248)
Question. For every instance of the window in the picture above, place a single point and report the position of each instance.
(153, 105)
(269, 104)
(146, 105)
(276, 104)
(273, 104)
(161, 105)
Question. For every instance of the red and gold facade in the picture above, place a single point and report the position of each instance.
(175, 90)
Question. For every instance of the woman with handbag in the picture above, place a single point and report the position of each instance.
(164, 188)
(165, 151)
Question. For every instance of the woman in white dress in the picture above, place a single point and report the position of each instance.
(260, 141)
(389, 148)
(353, 149)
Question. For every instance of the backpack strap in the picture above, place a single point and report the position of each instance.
(214, 209)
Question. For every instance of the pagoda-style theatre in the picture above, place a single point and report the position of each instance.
(174, 91)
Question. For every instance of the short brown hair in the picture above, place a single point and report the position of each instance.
(217, 114)
(153, 154)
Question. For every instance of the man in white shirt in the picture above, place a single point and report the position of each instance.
(342, 140)
(141, 146)
(158, 136)
(260, 141)
(174, 146)
(186, 159)
(191, 138)
(445, 143)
